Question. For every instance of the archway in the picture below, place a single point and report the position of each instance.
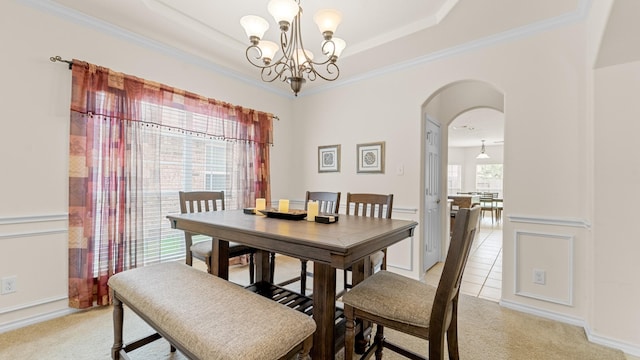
(441, 108)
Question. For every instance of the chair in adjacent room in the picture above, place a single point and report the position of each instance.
(200, 201)
(328, 202)
(498, 203)
(419, 309)
(487, 204)
(372, 205)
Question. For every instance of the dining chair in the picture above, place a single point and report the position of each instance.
(372, 205)
(200, 201)
(487, 204)
(419, 309)
(498, 208)
(328, 202)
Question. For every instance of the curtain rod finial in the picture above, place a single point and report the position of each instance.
(59, 58)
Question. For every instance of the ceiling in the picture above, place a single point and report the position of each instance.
(382, 36)
(470, 128)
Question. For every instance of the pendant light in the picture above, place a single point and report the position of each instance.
(483, 154)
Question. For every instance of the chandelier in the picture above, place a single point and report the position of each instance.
(295, 64)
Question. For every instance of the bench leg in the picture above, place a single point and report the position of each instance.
(117, 328)
(306, 348)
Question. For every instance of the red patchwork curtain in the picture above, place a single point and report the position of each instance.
(115, 120)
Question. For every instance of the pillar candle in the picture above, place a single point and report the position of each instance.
(261, 204)
(283, 206)
(312, 210)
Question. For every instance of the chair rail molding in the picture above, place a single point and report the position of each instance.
(541, 220)
(299, 204)
(32, 219)
(9, 222)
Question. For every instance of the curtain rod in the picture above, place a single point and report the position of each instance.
(60, 59)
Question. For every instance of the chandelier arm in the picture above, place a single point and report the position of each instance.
(268, 75)
(285, 46)
(254, 60)
(332, 70)
(278, 66)
(309, 66)
(326, 52)
(296, 47)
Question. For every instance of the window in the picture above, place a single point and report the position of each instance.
(133, 145)
(215, 173)
(489, 178)
(182, 160)
(454, 179)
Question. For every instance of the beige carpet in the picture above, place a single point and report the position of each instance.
(486, 331)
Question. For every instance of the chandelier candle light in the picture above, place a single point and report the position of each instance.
(296, 63)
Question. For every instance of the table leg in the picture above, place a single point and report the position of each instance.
(263, 268)
(324, 307)
(220, 258)
(360, 271)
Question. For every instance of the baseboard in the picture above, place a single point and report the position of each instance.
(543, 313)
(13, 325)
(630, 349)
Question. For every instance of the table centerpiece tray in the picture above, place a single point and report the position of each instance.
(289, 215)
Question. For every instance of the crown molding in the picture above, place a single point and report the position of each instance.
(579, 14)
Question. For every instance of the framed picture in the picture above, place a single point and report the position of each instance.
(329, 158)
(371, 157)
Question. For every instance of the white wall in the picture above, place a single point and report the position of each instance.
(616, 269)
(547, 219)
(34, 141)
(544, 105)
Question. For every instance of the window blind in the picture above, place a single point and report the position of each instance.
(174, 160)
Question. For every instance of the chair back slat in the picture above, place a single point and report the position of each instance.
(199, 201)
(328, 202)
(372, 205)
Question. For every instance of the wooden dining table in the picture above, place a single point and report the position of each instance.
(346, 243)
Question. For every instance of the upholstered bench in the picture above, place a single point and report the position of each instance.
(206, 317)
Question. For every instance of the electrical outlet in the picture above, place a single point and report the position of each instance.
(539, 276)
(9, 285)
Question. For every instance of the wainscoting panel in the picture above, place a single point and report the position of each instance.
(551, 255)
(400, 255)
(34, 250)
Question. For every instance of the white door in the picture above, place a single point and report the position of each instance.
(431, 223)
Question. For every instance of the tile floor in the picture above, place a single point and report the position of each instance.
(483, 274)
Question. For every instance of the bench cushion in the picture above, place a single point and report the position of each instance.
(213, 318)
